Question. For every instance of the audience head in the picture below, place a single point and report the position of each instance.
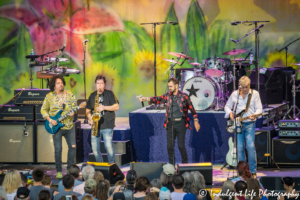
(38, 174)
(243, 170)
(240, 187)
(101, 191)
(90, 186)
(189, 196)
(68, 181)
(141, 184)
(189, 183)
(87, 197)
(156, 183)
(253, 188)
(227, 192)
(88, 172)
(24, 180)
(229, 184)
(1, 178)
(98, 176)
(2, 193)
(167, 174)
(199, 180)
(119, 196)
(128, 194)
(110, 191)
(23, 193)
(44, 195)
(120, 182)
(164, 194)
(46, 180)
(150, 196)
(131, 177)
(178, 181)
(287, 182)
(74, 171)
(12, 181)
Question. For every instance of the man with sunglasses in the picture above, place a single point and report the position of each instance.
(249, 100)
(177, 120)
(56, 100)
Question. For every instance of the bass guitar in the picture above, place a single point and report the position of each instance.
(58, 118)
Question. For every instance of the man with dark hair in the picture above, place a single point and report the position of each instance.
(107, 104)
(68, 183)
(37, 175)
(177, 120)
(60, 99)
(22, 193)
(24, 180)
(177, 183)
(44, 195)
(74, 171)
(131, 176)
(240, 189)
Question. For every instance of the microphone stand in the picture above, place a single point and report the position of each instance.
(154, 27)
(286, 65)
(84, 83)
(256, 62)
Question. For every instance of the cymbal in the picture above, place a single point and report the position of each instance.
(294, 64)
(194, 63)
(240, 59)
(234, 52)
(181, 55)
(170, 60)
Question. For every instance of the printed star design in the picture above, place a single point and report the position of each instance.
(192, 91)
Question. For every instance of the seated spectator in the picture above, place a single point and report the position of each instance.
(240, 189)
(189, 183)
(131, 176)
(44, 195)
(227, 191)
(89, 188)
(289, 184)
(164, 194)
(177, 184)
(102, 190)
(47, 184)
(23, 193)
(68, 183)
(155, 186)
(12, 181)
(167, 175)
(141, 186)
(189, 196)
(2, 193)
(24, 180)
(74, 171)
(98, 176)
(200, 185)
(87, 173)
(151, 196)
(253, 188)
(37, 175)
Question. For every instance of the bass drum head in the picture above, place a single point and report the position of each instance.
(202, 92)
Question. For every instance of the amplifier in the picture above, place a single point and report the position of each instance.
(289, 123)
(17, 113)
(31, 96)
(286, 151)
(289, 133)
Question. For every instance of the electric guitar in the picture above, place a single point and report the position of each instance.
(58, 118)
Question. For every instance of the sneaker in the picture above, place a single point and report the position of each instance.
(59, 175)
(254, 175)
(67, 171)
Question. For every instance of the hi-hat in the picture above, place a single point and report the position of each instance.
(234, 52)
(181, 55)
(170, 60)
(194, 63)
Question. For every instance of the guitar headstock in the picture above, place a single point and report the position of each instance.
(265, 113)
(82, 105)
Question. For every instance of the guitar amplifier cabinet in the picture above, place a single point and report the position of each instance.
(45, 145)
(17, 143)
(31, 96)
(286, 151)
(17, 113)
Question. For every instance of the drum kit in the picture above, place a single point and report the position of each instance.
(206, 82)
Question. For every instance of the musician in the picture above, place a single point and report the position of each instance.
(178, 104)
(60, 99)
(108, 104)
(238, 100)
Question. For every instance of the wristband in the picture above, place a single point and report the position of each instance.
(50, 121)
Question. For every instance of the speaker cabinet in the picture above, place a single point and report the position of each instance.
(45, 145)
(263, 143)
(17, 143)
(286, 151)
(204, 168)
(149, 170)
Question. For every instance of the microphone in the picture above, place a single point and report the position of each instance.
(236, 23)
(260, 26)
(85, 41)
(233, 40)
(175, 23)
(248, 54)
(62, 49)
(141, 96)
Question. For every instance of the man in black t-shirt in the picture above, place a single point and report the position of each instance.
(108, 103)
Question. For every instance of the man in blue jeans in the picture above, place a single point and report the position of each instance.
(108, 104)
(238, 100)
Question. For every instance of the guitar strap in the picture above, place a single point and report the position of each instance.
(248, 100)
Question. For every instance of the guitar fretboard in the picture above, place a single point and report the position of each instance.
(67, 114)
(245, 118)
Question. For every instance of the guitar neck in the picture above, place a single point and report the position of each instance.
(245, 118)
(67, 114)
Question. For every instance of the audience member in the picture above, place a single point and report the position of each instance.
(141, 186)
(2, 193)
(189, 183)
(177, 184)
(23, 193)
(151, 196)
(44, 195)
(253, 189)
(68, 183)
(164, 194)
(240, 189)
(98, 176)
(189, 196)
(289, 184)
(131, 176)
(200, 185)
(12, 181)
(167, 175)
(102, 190)
(89, 188)
(37, 175)
(128, 195)
(24, 180)
(74, 171)
(87, 173)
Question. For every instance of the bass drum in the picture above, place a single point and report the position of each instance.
(202, 91)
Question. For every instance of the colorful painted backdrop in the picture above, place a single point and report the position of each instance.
(121, 49)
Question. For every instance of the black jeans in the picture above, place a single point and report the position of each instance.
(179, 131)
(57, 140)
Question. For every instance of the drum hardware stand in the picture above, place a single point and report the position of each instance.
(294, 107)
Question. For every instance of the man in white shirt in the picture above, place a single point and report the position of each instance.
(177, 183)
(238, 100)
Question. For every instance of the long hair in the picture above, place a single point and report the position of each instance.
(243, 170)
(53, 80)
(165, 179)
(12, 181)
(199, 182)
(101, 190)
(156, 183)
(189, 183)
(151, 196)
(253, 185)
(141, 184)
